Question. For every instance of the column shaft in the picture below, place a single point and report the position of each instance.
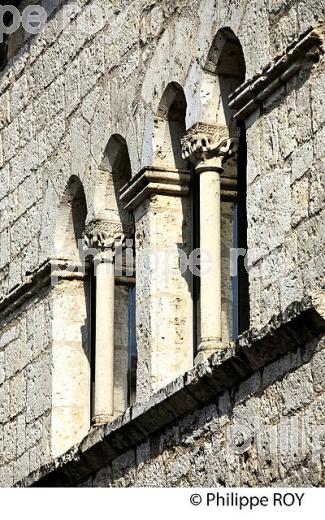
(210, 242)
(208, 146)
(210, 279)
(104, 355)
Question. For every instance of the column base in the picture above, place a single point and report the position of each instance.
(208, 347)
(101, 419)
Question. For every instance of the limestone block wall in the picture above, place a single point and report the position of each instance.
(25, 390)
(70, 366)
(252, 415)
(286, 181)
(268, 431)
(62, 97)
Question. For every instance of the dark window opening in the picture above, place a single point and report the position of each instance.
(91, 327)
(243, 282)
(5, 44)
(195, 190)
(4, 55)
(240, 283)
(133, 354)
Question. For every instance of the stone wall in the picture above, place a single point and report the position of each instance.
(25, 390)
(257, 434)
(62, 97)
(250, 416)
(285, 200)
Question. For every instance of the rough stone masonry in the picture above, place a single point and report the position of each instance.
(95, 112)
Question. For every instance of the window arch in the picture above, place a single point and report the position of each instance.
(71, 220)
(117, 162)
(224, 71)
(169, 128)
(70, 347)
(111, 219)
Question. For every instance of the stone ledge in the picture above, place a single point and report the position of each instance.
(33, 283)
(152, 180)
(251, 94)
(286, 332)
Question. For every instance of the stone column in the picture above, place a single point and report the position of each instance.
(104, 246)
(104, 356)
(159, 199)
(208, 146)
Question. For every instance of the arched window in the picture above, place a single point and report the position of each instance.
(216, 146)
(159, 197)
(70, 348)
(224, 72)
(169, 128)
(113, 382)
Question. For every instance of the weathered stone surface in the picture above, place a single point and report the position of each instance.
(249, 410)
(64, 94)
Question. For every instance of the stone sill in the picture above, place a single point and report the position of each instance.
(286, 332)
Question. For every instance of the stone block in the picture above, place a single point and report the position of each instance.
(4, 109)
(317, 187)
(9, 335)
(318, 371)
(38, 388)
(5, 403)
(21, 435)
(4, 248)
(21, 467)
(19, 96)
(4, 185)
(302, 160)
(17, 356)
(296, 395)
(10, 140)
(299, 200)
(17, 394)
(10, 440)
(317, 98)
(72, 87)
(6, 475)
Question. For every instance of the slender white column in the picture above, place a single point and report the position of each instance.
(101, 238)
(207, 147)
(104, 354)
(210, 245)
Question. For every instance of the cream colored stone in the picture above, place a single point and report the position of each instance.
(207, 146)
(64, 96)
(71, 368)
(104, 354)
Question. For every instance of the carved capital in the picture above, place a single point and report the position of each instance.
(103, 235)
(208, 145)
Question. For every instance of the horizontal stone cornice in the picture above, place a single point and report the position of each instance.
(34, 283)
(31, 286)
(300, 324)
(152, 180)
(251, 94)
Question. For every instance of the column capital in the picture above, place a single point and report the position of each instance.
(208, 145)
(103, 235)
